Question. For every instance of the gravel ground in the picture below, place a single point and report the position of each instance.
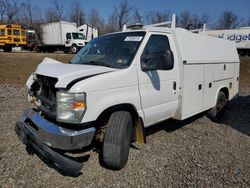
(193, 153)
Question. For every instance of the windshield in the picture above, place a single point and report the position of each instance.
(78, 36)
(115, 50)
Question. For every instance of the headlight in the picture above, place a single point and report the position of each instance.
(70, 106)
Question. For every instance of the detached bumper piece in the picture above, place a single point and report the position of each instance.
(44, 136)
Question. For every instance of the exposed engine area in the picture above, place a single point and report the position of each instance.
(42, 94)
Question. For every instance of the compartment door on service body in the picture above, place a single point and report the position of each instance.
(158, 88)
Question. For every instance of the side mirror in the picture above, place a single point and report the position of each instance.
(163, 61)
(167, 60)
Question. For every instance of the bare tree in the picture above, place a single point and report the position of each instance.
(123, 13)
(112, 24)
(77, 14)
(161, 16)
(95, 19)
(205, 18)
(138, 18)
(54, 13)
(196, 21)
(148, 16)
(26, 11)
(157, 16)
(11, 10)
(50, 15)
(3, 8)
(58, 5)
(184, 20)
(228, 20)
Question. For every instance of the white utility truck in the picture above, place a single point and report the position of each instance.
(65, 36)
(121, 83)
(240, 36)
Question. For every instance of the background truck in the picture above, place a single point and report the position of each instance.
(122, 83)
(240, 36)
(60, 36)
(12, 35)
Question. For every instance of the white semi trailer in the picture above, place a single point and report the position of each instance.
(65, 36)
(121, 83)
(240, 36)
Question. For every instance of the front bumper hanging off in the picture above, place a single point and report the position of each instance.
(45, 136)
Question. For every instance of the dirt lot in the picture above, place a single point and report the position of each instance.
(16, 67)
(193, 153)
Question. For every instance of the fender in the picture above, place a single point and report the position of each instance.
(223, 87)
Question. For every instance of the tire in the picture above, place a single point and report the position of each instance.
(117, 140)
(216, 113)
(7, 48)
(74, 49)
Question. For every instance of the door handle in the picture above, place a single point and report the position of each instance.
(174, 85)
(199, 86)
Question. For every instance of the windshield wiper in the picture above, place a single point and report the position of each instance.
(97, 63)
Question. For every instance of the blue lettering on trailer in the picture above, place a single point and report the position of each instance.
(237, 38)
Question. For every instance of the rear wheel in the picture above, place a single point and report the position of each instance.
(216, 113)
(117, 140)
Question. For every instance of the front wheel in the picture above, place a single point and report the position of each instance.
(117, 140)
(7, 48)
(216, 113)
(74, 49)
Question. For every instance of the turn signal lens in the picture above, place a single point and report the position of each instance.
(78, 105)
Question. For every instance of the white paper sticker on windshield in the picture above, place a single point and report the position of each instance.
(133, 38)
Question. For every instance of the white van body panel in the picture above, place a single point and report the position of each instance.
(198, 48)
(109, 89)
(205, 61)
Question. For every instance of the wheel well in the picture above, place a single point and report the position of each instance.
(104, 116)
(138, 128)
(225, 91)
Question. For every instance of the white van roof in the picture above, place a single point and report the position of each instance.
(194, 47)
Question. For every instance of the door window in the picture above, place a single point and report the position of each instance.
(68, 36)
(156, 48)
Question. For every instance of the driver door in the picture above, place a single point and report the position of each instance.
(68, 41)
(158, 88)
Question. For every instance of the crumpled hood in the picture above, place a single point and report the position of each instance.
(66, 73)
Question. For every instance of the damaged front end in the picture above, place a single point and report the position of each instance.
(39, 127)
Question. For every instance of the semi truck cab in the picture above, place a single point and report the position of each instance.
(75, 41)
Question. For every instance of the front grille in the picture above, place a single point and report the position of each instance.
(47, 95)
